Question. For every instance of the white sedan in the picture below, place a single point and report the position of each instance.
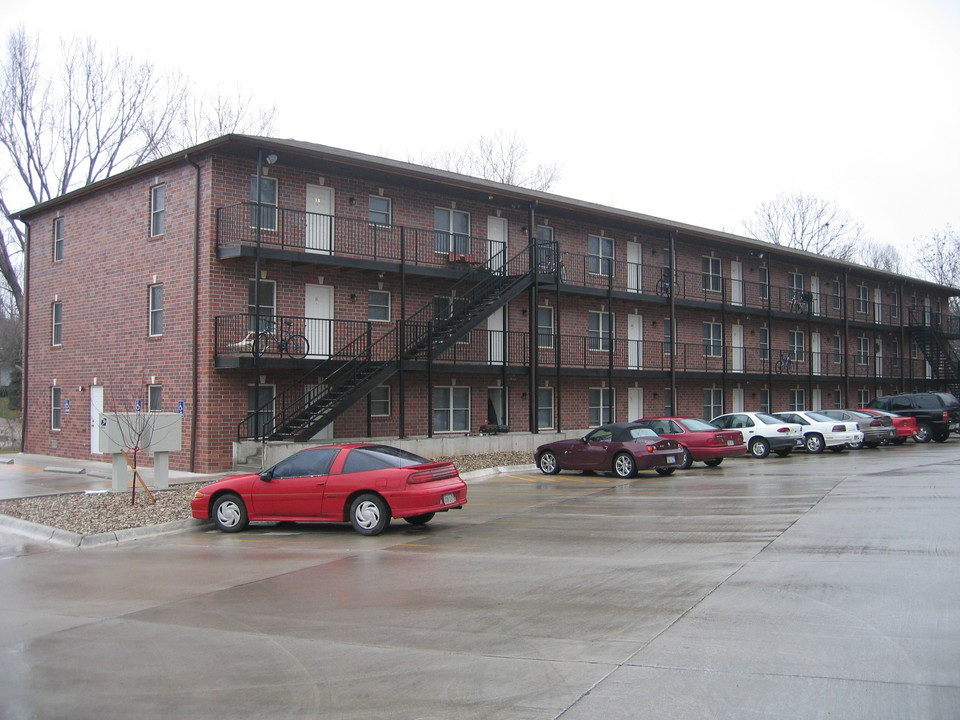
(820, 431)
(762, 432)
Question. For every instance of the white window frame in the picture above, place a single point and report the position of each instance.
(545, 394)
(712, 402)
(712, 273)
(599, 330)
(798, 399)
(863, 397)
(763, 277)
(155, 310)
(837, 296)
(456, 411)
(268, 312)
(269, 201)
(447, 238)
(863, 351)
(837, 349)
(56, 324)
(545, 333)
(56, 408)
(797, 345)
(795, 282)
(600, 406)
(158, 206)
(765, 405)
(600, 255)
(371, 305)
(381, 406)
(380, 216)
(712, 339)
(58, 239)
(764, 343)
(154, 398)
(863, 299)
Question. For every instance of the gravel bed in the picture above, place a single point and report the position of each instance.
(89, 514)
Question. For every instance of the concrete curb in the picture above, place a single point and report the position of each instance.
(65, 538)
(481, 475)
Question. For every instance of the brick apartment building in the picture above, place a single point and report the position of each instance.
(401, 301)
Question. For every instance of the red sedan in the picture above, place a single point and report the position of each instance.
(620, 448)
(700, 440)
(363, 484)
(906, 427)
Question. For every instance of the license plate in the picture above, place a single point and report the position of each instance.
(449, 499)
(671, 459)
(729, 442)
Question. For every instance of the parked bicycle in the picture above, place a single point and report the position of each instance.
(784, 365)
(664, 286)
(284, 342)
(800, 302)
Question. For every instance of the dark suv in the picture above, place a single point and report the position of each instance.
(937, 413)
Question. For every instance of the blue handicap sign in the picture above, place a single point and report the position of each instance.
(180, 407)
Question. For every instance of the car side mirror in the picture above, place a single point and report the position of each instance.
(266, 475)
(584, 439)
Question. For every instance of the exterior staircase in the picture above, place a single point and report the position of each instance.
(337, 383)
(940, 352)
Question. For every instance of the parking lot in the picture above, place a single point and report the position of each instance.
(811, 586)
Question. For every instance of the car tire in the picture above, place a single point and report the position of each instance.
(783, 452)
(855, 445)
(547, 462)
(229, 513)
(899, 441)
(814, 443)
(420, 519)
(759, 448)
(871, 445)
(369, 514)
(665, 470)
(941, 437)
(624, 466)
(686, 461)
(924, 433)
(713, 462)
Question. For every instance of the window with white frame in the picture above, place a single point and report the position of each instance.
(895, 352)
(55, 408)
(599, 255)
(451, 409)
(598, 330)
(863, 397)
(380, 401)
(452, 231)
(600, 406)
(544, 408)
(378, 305)
(712, 402)
(497, 405)
(712, 339)
(764, 343)
(668, 401)
(267, 197)
(863, 298)
(796, 345)
(545, 332)
(155, 301)
(836, 296)
(795, 282)
(837, 349)
(863, 350)
(546, 250)
(158, 204)
(765, 400)
(669, 342)
(894, 305)
(914, 350)
(260, 409)
(56, 323)
(154, 398)
(712, 278)
(57, 239)
(797, 400)
(379, 210)
(268, 304)
(763, 281)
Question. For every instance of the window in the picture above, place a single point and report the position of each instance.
(154, 398)
(380, 401)
(895, 353)
(668, 401)
(668, 337)
(451, 409)
(837, 349)
(261, 410)
(156, 309)
(497, 406)
(863, 397)
(915, 350)
(544, 408)
(894, 307)
(545, 327)
(712, 279)
(56, 316)
(795, 282)
(765, 400)
(309, 463)
(598, 330)
(599, 255)
(863, 350)
(712, 402)
(58, 239)
(268, 303)
(764, 343)
(55, 408)
(453, 231)
(763, 277)
(836, 295)
(157, 208)
(712, 339)
(379, 210)
(378, 305)
(796, 345)
(797, 400)
(546, 262)
(268, 202)
(862, 299)
(600, 406)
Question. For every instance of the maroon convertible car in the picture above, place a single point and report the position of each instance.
(620, 448)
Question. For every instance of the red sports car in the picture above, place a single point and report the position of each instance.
(906, 427)
(620, 448)
(363, 484)
(700, 440)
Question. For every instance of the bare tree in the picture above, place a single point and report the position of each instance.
(501, 157)
(938, 256)
(99, 114)
(882, 256)
(807, 223)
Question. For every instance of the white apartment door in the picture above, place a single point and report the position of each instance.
(815, 294)
(318, 233)
(497, 346)
(736, 350)
(496, 243)
(736, 400)
(315, 390)
(634, 403)
(634, 267)
(96, 407)
(815, 353)
(318, 326)
(635, 342)
(736, 282)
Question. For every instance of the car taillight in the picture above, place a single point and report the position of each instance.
(946, 416)
(839, 428)
(876, 423)
(783, 429)
(443, 472)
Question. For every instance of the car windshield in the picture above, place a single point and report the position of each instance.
(768, 419)
(636, 433)
(695, 425)
(305, 463)
(378, 457)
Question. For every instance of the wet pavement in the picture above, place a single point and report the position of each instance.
(805, 587)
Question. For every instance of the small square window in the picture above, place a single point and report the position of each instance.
(380, 401)
(380, 210)
(378, 305)
(154, 398)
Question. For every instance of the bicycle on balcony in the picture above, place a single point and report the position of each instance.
(282, 342)
(784, 365)
(801, 302)
(664, 285)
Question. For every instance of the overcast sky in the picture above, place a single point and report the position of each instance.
(691, 110)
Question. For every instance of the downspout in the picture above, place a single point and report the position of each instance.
(534, 359)
(24, 356)
(195, 352)
(845, 369)
(673, 324)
